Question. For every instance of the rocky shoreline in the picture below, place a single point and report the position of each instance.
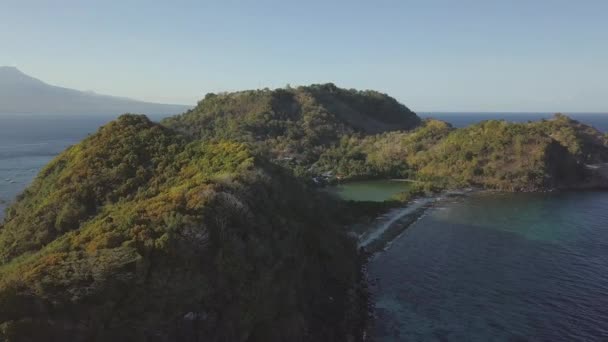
(386, 228)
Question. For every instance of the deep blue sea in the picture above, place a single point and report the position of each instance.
(498, 267)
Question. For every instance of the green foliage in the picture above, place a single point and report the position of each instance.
(383, 155)
(142, 233)
(586, 143)
(359, 135)
(293, 126)
(137, 234)
(84, 178)
(492, 154)
(505, 156)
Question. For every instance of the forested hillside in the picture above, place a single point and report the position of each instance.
(135, 234)
(385, 155)
(492, 154)
(293, 126)
(195, 230)
(364, 134)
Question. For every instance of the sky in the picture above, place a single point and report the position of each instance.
(433, 56)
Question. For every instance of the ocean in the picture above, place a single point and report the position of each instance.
(497, 267)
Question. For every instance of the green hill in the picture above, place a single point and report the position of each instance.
(293, 124)
(192, 230)
(586, 143)
(492, 154)
(499, 155)
(366, 134)
(136, 234)
(385, 155)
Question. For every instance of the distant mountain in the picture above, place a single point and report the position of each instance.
(20, 93)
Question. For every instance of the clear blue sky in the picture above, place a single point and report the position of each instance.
(485, 55)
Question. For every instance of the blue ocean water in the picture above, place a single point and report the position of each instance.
(28, 142)
(498, 267)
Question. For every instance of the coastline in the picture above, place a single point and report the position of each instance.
(393, 223)
(489, 236)
(385, 229)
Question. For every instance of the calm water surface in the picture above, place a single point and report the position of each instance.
(498, 267)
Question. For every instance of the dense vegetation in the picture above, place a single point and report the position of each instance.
(492, 154)
(194, 230)
(384, 155)
(136, 234)
(585, 143)
(293, 126)
(365, 134)
(499, 155)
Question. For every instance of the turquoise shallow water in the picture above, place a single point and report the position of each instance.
(498, 267)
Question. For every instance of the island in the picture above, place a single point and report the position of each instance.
(210, 225)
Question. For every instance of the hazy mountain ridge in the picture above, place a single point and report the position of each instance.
(21, 93)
